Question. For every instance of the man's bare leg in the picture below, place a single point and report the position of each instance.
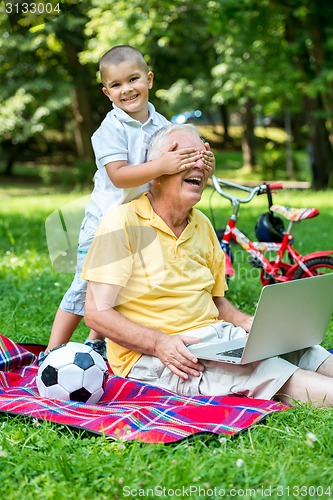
(306, 386)
(326, 368)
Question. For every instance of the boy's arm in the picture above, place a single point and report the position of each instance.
(123, 175)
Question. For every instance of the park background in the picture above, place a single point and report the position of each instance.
(248, 66)
(260, 73)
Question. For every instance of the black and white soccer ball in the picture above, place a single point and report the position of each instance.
(72, 372)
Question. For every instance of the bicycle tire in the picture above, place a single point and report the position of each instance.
(317, 263)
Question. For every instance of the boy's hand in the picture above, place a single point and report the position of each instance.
(173, 162)
(208, 159)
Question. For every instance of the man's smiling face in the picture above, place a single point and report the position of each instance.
(189, 184)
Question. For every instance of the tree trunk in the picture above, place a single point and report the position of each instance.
(82, 110)
(225, 123)
(11, 157)
(289, 150)
(297, 124)
(248, 139)
(321, 156)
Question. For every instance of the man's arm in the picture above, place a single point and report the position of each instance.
(101, 316)
(231, 314)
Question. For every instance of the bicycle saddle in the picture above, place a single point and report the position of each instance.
(294, 214)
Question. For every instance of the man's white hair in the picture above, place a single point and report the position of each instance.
(159, 142)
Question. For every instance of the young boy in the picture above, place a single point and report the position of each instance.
(122, 174)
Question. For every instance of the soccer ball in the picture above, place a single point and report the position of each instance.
(72, 372)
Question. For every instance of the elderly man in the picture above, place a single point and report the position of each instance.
(156, 272)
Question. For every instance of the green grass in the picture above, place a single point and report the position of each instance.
(39, 459)
(54, 462)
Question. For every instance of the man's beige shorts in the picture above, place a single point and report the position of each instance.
(261, 379)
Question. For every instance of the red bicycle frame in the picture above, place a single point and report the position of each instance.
(276, 270)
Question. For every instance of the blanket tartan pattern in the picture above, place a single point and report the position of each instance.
(128, 410)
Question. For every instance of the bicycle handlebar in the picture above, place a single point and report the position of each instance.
(262, 189)
(277, 185)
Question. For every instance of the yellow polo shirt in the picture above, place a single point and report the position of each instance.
(167, 282)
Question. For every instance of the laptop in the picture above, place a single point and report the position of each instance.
(289, 316)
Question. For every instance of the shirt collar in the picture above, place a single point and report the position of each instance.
(143, 208)
(124, 117)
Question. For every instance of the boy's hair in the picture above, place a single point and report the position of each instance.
(119, 54)
(158, 143)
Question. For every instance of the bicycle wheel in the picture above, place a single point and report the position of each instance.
(317, 265)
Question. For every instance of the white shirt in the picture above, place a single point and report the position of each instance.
(120, 138)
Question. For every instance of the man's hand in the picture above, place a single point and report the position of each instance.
(247, 323)
(172, 351)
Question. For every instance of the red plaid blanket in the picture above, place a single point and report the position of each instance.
(128, 410)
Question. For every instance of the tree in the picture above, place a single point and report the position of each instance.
(280, 54)
(309, 31)
(31, 105)
(45, 89)
(69, 31)
(252, 57)
(258, 56)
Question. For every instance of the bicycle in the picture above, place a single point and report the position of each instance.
(277, 240)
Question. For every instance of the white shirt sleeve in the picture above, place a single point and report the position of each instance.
(110, 142)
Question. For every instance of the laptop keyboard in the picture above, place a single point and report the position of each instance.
(235, 353)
